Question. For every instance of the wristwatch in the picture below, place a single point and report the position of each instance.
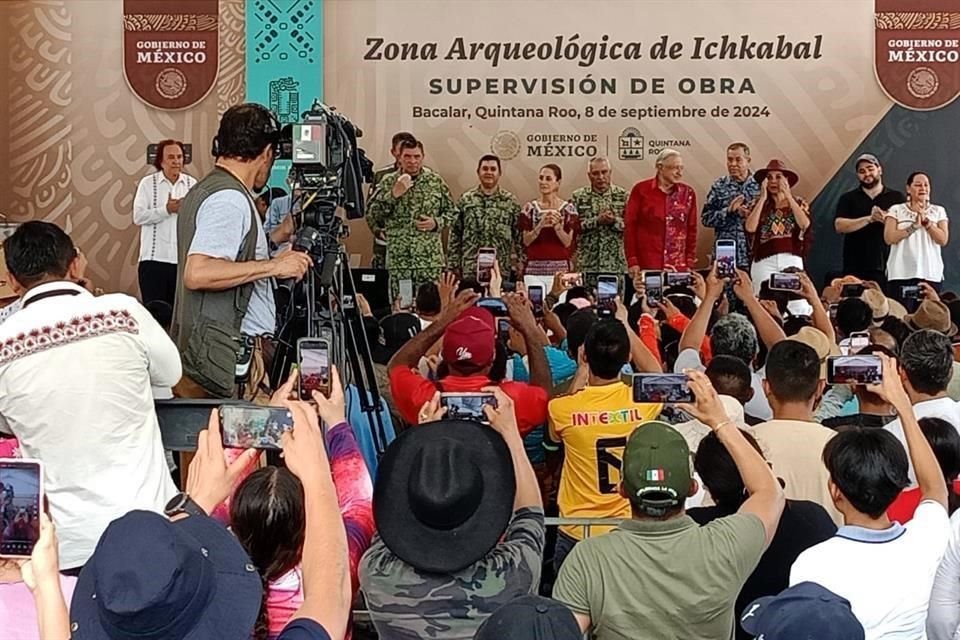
(182, 503)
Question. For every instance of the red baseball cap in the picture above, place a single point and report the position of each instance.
(471, 338)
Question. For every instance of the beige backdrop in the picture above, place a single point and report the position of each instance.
(74, 136)
(820, 109)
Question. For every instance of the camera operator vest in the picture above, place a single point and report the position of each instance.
(206, 324)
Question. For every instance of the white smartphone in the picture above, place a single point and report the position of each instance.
(406, 294)
(485, 259)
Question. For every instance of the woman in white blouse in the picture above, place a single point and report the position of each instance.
(915, 231)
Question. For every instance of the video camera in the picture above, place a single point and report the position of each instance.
(328, 172)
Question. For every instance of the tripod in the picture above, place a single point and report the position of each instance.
(322, 305)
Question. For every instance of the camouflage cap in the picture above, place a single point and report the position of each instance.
(656, 468)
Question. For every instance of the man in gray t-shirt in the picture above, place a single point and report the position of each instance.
(216, 258)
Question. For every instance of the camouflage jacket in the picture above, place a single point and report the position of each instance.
(484, 221)
(407, 247)
(600, 246)
(406, 604)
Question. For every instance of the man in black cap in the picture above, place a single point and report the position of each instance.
(660, 571)
(859, 217)
(460, 527)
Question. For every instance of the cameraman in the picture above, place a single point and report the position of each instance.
(225, 280)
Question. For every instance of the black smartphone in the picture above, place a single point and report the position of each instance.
(726, 257)
(313, 359)
(667, 388)
(496, 306)
(535, 293)
(851, 291)
(678, 279)
(503, 330)
(607, 289)
(832, 310)
(253, 427)
(467, 406)
(854, 369)
(21, 499)
(485, 259)
(785, 282)
(910, 294)
(653, 283)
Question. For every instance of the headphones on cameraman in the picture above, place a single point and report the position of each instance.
(271, 131)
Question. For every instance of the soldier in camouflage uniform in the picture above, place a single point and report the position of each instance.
(379, 260)
(601, 205)
(452, 578)
(412, 206)
(486, 217)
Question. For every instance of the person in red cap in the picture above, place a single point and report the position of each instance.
(469, 351)
(779, 224)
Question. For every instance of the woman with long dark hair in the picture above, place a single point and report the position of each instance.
(550, 226)
(267, 515)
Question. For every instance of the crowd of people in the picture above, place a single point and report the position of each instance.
(738, 494)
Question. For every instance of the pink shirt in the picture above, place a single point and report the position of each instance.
(18, 614)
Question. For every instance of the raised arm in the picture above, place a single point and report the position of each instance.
(693, 335)
(752, 221)
(410, 353)
(521, 317)
(504, 420)
(767, 328)
(925, 465)
(766, 499)
(643, 359)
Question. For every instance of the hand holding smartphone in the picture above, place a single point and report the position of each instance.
(535, 294)
(726, 257)
(854, 369)
(485, 259)
(467, 406)
(607, 289)
(785, 282)
(21, 501)
(653, 284)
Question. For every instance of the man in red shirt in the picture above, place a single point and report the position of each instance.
(469, 349)
(661, 220)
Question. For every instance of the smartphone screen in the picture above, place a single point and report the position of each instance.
(406, 294)
(832, 310)
(21, 499)
(667, 388)
(607, 290)
(910, 293)
(254, 427)
(313, 356)
(467, 406)
(653, 283)
(785, 282)
(854, 369)
(503, 329)
(485, 260)
(679, 279)
(851, 291)
(726, 252)
(535, 293)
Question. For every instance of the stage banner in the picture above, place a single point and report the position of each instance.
(284, 60)
(170, 50)
(918, 51)
(559, 82)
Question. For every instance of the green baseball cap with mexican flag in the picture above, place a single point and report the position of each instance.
(656, 468)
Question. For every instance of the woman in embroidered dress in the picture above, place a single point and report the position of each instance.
(779, 224)
(550, 226)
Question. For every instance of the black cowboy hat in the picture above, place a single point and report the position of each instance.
(444, 494)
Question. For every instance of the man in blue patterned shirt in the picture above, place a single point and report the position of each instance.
(730, 200)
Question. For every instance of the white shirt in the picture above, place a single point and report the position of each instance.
(223, 222)
(943, 618)
(158, 228)
(75, 377)
(886, 575)
(917, 255)
(944, 408)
